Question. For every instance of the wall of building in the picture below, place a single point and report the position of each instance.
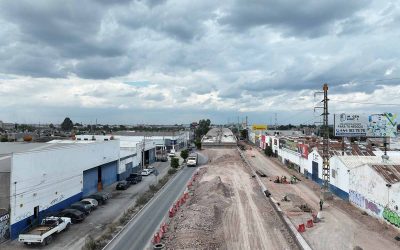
(52, 179)
(339, 179)
(5, 173)
(368, 191)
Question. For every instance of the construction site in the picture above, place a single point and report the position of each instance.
(245, 200)
(227, 210)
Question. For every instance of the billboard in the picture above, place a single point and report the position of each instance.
(259, 127)
(350, 125)
(356, 125)
(382, 125)
(303, 150)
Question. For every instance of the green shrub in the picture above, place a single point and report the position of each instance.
(172, 171)
(174, 162)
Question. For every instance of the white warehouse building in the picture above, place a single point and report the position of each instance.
(40, 178)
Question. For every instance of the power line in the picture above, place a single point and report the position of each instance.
(368, 103)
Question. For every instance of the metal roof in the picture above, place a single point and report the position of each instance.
(7, 148)
(353, 161)
(391, 173)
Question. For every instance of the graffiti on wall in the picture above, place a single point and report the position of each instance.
(4, 227)
(362, 202)
(53, 202)
(391, 216)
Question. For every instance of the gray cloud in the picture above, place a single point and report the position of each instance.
(252, 54)
(308, 18)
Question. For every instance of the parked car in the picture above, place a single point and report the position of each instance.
(105, 194)
(134, 178)
(101, 198)
(92, 202)
(84, 208)
(43, 233)
(123, 185)
(75, 215)
(146, 172)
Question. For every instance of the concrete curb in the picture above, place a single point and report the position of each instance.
(145, 206)
(300, 241)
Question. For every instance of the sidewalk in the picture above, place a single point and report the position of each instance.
(342, 227)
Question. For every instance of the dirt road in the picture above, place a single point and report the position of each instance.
(228, 211)
(342, 227)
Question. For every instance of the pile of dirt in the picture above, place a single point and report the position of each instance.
(198, 224)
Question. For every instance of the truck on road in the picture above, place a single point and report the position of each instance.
(192, 160)
(43, 233)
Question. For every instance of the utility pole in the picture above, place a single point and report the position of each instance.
(246, 122)
(276, 123)
(325, 142)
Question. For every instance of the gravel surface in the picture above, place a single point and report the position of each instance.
(227, 211)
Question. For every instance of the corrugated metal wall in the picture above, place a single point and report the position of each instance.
(109, 173)
(90, 179)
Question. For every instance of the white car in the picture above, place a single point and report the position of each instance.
(92, 202)
(146, 172)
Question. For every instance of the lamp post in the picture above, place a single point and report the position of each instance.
(388, 185)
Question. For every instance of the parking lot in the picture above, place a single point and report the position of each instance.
(105, 214)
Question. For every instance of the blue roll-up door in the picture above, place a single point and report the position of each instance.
(109, 173)
(90, 179)
(314, 174)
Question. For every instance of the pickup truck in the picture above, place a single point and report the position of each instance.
(192, 160)
(43, 233)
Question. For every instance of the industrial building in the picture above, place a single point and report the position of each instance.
(358, 173)
(39, 178)
(135, 151)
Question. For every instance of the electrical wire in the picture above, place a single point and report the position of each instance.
(368, 103)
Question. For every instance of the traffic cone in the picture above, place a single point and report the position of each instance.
(301, 228)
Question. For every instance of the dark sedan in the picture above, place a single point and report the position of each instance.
(123, 185)
(84, 208)
(101, 197)
(75, 215)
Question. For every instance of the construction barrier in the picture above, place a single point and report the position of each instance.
(189, 184)
(171, 212)
(183, 200)
(186, 194)
(161, 234)
(301, 228)
(156, 238)
(164, 227)
(310, 223)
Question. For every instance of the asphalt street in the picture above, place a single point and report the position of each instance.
(140, 231)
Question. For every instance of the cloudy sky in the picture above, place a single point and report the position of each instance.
(176, 61)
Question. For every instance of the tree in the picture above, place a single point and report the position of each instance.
(268, 151)
(67, 124)
(243, 133)
(197, 143)
(51, 126)
(184, 154)
(174, 162)
(202, 128)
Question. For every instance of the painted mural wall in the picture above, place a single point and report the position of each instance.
(4, 226)
(368, 191)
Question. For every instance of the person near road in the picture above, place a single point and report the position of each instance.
(321, 202)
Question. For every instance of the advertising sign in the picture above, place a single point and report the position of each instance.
(382, 125)
(303, 150)
(259, 127)
(375, 125)
(350, 125)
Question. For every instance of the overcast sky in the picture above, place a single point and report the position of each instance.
(177, 61)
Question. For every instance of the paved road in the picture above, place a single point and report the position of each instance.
(139, 232)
